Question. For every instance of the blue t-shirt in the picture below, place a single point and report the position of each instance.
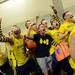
(43, 44)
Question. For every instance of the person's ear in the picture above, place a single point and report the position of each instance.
(64, 17)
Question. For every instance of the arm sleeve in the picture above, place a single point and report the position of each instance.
(62, 29)
(35, 37)
(3, 39)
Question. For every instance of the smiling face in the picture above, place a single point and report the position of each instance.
(16, 31)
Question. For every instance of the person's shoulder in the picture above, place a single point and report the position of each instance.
(33, 32)
(64, 24)
(37, 35)
(22, 36)
(47, 35)
(48, 32)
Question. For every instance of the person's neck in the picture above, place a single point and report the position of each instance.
(68, 21)
(42, 33)
(56, 28)
(18, 37)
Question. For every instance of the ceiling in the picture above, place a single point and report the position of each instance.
(2, 1)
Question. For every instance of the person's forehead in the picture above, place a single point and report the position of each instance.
(15, 28)
(28, 22)
(41, 26)
(69, 13)
(54, 21)
(44, 21)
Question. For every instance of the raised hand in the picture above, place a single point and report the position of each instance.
(54, 10)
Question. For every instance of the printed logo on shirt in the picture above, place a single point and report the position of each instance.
(44, 41)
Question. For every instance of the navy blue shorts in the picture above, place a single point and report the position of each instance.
(28, 67)
(6, 68)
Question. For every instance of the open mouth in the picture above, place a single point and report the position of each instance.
(16, 33)
(43, 29)
(57, 24)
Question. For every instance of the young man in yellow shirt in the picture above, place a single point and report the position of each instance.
(68, 26)
(22, 61)
(24, 65)
(58, 37)
(68, 22)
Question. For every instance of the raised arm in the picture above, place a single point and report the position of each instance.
(4, 38)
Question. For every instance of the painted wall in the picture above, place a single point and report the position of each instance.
(69, 5)
(15, 11)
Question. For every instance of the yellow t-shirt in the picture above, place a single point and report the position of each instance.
(54, 33)
(19, 53)
(72, 63)
(11, 54)
(31, 33)
(66, 26)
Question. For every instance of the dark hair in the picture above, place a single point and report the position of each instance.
(40, 25)
(63, 15)
(33, 24)
(42, 20)
(52, 20)
(51, 28)
(26, 23)
(14, 26)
